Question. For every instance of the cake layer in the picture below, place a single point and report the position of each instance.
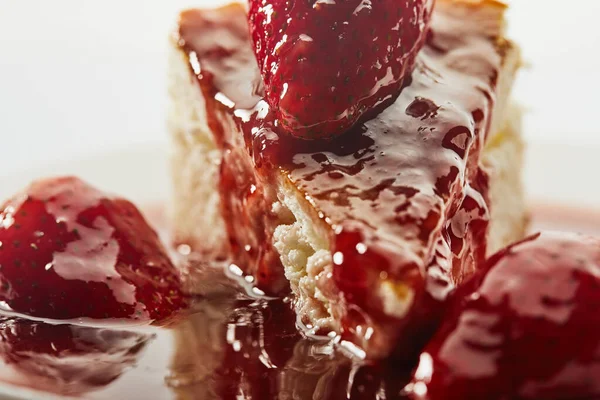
(371, 230)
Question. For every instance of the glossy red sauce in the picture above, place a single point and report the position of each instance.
(244, 349)
(222, 349)
(405, 185)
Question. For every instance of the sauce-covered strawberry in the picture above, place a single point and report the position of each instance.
(325, 63)
(68, 250)
(526, 327)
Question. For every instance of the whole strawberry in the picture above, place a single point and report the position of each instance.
(326, 63)
(526, 327)
(68, 250)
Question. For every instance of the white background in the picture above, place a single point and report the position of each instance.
(82, 76)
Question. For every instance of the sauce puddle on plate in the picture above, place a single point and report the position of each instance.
(227, 346)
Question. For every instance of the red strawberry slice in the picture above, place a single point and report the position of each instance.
(66, 359)
(68, 250)
(526, 327)
(326, 63)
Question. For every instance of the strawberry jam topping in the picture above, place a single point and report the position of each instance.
(402, 196)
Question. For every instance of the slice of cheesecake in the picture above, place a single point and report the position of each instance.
(373, 229)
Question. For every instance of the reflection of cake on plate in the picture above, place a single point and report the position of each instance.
(370, 229)
(250, 349)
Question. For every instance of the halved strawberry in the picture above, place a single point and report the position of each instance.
(326, 63)
(68, 250)
(526, 327)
